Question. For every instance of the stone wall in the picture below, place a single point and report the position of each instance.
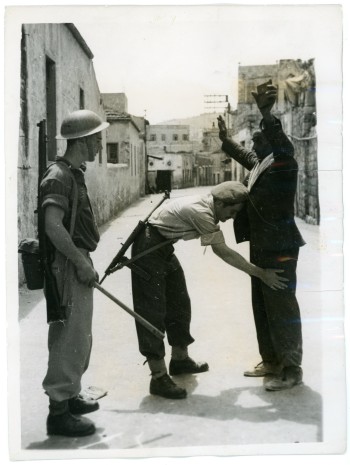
(305, 146)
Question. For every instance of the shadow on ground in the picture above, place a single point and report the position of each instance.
(248, 404)
(61, 442)
(298, 405)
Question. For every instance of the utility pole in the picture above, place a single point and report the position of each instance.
(216, 101)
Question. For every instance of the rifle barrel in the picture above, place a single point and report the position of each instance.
(155, 331)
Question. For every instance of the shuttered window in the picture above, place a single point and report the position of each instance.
(112, 153)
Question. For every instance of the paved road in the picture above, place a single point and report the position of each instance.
(225, 413)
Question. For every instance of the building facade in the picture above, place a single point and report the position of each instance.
(125, 146)
(170, 154)
(220, 167)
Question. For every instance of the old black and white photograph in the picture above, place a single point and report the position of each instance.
(174, 232)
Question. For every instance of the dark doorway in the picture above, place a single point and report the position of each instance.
(163, 181)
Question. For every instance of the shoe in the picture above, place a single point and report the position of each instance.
(79, 406)
(179, 367)
(289, 377)
(165, 387)
(69, 425)
(263, 369)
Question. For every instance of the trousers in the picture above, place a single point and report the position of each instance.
(69, 341)
(276, 312)
(162, 299)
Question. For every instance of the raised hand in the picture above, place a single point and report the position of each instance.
(222, 128)
(266, 98)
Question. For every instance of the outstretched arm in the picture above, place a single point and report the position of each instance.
(270, 277)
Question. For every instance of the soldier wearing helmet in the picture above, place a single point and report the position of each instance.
(72, 234)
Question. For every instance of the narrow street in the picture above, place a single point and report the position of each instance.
(225, 413)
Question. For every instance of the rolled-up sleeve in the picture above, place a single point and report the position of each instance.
(54, 192)
(216, 237)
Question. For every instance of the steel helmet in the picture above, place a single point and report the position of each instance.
(81, 123)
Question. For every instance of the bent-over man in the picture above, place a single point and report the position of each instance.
(163, 299)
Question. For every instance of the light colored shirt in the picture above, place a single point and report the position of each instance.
(188, 218)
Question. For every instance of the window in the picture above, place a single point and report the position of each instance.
(175, 137)
(112, 153)
(131, 155)
(153, 137)
(163, 137)
(81, 99)
(184, 136)
(135, 161)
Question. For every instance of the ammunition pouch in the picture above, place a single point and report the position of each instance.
(32, 264)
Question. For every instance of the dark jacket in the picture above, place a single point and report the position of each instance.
(268, 219)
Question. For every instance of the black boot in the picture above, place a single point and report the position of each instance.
(187, 366)
(61, 422)
(164, 386)
(79, 406)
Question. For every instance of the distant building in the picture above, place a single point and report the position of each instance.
(220, 166)
(170, 154)
(126, 153)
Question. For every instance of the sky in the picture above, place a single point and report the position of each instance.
(167, 58)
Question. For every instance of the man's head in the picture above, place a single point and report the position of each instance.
(261, 145)
(82, 130)
(229, 198)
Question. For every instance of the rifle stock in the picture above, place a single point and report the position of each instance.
(139, 228)
(118, 259)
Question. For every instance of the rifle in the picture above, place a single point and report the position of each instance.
(119, 261)
(54, 310)
(155, 331)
